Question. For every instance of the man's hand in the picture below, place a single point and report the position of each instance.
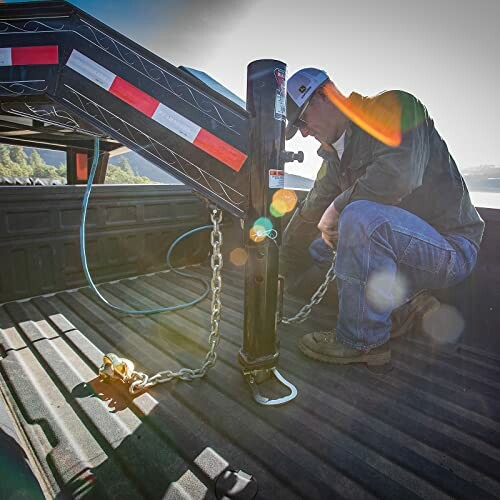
(328, 225)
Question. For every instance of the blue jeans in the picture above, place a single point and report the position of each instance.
(385, 255)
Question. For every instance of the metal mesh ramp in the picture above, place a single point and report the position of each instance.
(60, 66)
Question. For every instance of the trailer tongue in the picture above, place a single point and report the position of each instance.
(52, 51)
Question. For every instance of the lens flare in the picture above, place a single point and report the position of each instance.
(257, 235)
(238, 257)
(445, 325)
(261, 228)
(385, 291)
(263, 222)
(284, 201)
(274, 212)
(385, 116)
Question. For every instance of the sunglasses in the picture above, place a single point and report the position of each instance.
(300, 122)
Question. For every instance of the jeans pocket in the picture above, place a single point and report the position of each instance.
(425, 256)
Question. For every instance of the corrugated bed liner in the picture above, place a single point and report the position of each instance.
(430, 427)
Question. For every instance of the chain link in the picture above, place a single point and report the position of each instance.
(316, 298)
(140, 380)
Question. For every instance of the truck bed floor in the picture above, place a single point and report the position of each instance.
(428, 427)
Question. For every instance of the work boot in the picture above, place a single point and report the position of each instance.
(324, 346)
(410, 314)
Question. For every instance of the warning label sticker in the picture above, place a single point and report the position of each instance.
(276, 179)
(280, 106)
(280, 102)
(280, 76)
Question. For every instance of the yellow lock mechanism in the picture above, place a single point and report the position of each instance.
(116, 368)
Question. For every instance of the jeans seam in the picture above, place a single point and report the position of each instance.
(363, 297)
(349, 279)
(356, 280)
(419, 236)
(381, 223)
(403, 253)
(435, 269)
(452, 274)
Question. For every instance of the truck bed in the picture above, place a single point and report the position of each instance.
(427, 426)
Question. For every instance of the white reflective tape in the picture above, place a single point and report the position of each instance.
(5, 56)
(176, 122)
(90, 69)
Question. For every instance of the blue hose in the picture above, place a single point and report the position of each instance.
(83, 253)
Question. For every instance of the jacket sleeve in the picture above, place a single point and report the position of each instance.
(394, 172)
(303, 226)
(325, 189)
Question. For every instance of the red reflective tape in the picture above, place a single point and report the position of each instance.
(219, 149)
(82, 166)
(133, 96)
(43, 54)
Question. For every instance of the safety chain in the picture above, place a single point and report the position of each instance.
(316, 298)
(119, 368)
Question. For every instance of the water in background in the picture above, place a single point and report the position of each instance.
(486, 199)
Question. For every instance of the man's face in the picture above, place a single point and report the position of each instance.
(322, 120)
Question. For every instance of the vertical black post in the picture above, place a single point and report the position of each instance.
(266, 103)
(102, 167)
(71, 166)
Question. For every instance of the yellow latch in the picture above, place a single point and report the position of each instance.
(116, 368)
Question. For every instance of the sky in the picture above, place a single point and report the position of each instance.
(445, 52)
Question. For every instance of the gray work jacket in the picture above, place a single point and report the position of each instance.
(419, 175)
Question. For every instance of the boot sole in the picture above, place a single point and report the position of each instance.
(370, 358)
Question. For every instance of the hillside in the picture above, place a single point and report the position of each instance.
(144, 168)
(478, 178)
(139, 165)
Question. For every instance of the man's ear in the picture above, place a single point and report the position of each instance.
(321, 96)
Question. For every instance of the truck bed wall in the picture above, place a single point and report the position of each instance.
(129, 230)
(478, 297)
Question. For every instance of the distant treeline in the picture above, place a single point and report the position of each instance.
(127, 169)
(14, 162)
